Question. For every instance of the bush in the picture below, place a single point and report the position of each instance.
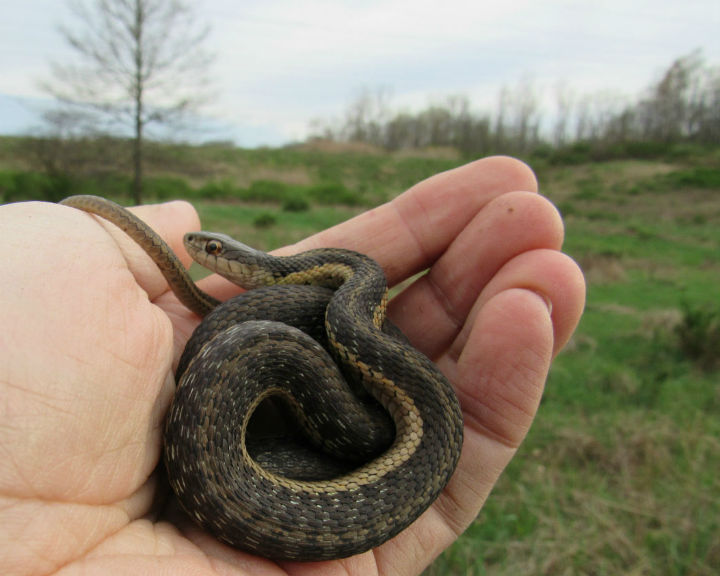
(27, 186)
(265, 220)
(699, 335)
(110, 185)
(267, 191)
(166, 188)
(16, 186)
(333, 193)
(219, 190)
(576, 153)
(639, 149)
(700, 177)
(296, 204)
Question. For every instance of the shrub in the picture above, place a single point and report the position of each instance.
(267, 191)
(296, 204)
(699, 335)
(265, 220)
(333, 193)
(699, 177)
(17, 185)
(219, 190)
(576, 153)
(166, 188)
(109, 185)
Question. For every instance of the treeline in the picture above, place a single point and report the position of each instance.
(683, 105)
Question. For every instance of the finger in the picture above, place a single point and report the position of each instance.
(499, 381)
(549, 273)
(501, 376)
(409, 233)
(501, 371)
(433, 310)
(170, 220)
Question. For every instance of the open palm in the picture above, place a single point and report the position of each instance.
(91, 334)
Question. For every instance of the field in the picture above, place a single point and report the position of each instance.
(619, 474)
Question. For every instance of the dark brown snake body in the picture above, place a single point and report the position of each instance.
(261, 345)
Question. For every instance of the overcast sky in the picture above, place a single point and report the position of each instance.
(280, 64)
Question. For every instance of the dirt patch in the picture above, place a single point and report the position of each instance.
(602, 269)
(431, 152)
(666, 320)
(332, 147)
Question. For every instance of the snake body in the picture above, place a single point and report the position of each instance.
(394, 460)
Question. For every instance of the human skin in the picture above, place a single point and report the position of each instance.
(91, 333)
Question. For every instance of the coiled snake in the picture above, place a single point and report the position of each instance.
(259, 346)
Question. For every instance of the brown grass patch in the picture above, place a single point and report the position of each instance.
(602, 268)
(333, 147)
(627, 494)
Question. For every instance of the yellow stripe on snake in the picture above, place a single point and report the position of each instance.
(381, 426)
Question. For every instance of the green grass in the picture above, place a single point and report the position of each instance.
(619, 473)
(325, 175)
(238, 220)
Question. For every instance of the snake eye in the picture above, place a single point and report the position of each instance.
(213, 247)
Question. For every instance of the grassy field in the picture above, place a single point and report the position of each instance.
(620, 472)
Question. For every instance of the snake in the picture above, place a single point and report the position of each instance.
(375, 429)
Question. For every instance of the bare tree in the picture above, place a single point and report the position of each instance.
(563, 115)
(527, 115)
(138, 62)
(517, 120)
(683, 105)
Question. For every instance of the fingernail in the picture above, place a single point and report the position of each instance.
(547, 301)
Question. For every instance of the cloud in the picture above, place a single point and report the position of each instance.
(281, 63)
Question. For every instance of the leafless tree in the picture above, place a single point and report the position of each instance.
(684, 104)
(137, 62)
(563, 114)
(367, 116)
(517, 120)
(527, 115)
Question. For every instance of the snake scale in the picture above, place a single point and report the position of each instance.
(381, 426)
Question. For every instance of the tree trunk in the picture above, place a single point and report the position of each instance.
(137, 187)
(138, 140)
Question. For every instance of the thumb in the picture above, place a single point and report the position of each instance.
(170, 220)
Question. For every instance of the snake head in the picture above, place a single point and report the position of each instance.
(234, 260)
(214, 244)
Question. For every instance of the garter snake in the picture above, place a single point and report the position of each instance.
(258, 346)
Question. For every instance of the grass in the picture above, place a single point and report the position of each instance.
(598, 494)
(325, 175)
(619, 473)
(239, 220)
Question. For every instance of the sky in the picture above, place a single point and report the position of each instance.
(279, 65)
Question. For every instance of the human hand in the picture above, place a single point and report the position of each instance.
(90, 334)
